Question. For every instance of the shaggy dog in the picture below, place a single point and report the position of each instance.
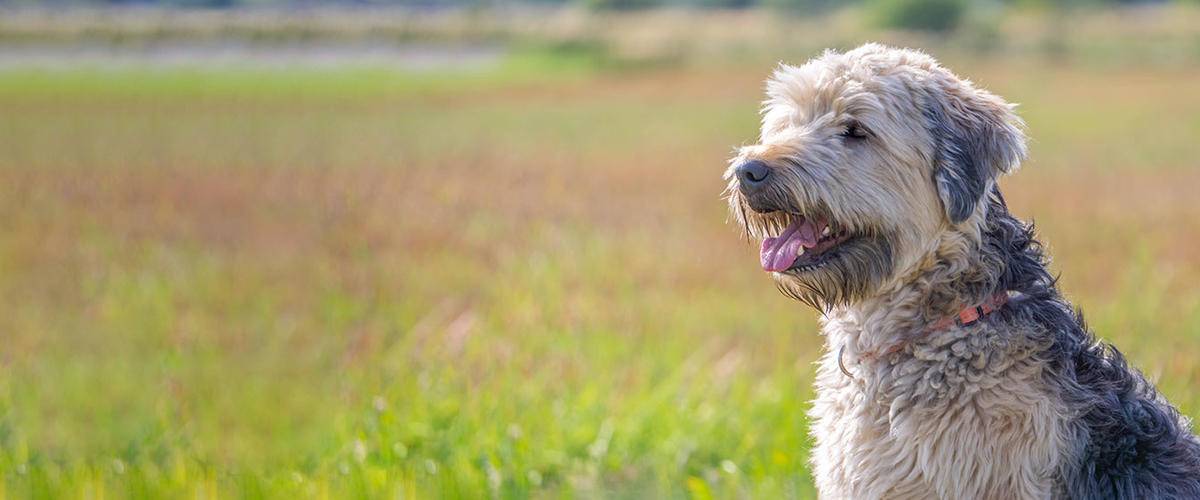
(954, 368)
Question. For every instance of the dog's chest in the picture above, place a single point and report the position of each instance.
(857, 455)
(957, 420)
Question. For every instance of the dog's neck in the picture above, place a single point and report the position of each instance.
(962, 269)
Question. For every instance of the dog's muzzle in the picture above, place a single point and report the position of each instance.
(754, 176)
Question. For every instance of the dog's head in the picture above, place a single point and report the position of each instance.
(867, 162)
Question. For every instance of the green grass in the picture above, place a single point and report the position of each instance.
(272, 284)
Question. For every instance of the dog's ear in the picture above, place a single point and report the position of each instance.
(976, 137)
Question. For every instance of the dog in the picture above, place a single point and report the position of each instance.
(953, 366)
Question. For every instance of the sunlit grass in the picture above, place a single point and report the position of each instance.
(281, 283)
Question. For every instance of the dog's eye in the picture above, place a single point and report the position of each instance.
(854, 131)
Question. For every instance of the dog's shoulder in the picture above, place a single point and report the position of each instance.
(1131, 442)
(1127, 440)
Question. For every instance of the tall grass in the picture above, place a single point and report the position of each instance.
(271, 284)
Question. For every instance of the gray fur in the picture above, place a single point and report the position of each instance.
(971, 148)
(1131, 442)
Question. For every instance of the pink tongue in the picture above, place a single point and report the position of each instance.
(779, 253)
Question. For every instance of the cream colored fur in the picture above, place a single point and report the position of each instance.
(971, 421)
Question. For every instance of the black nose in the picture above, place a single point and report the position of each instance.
(752, 174)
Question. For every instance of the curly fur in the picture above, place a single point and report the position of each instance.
(1023, 404)
(1130, 442)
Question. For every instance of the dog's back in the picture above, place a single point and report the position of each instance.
(1131, 442)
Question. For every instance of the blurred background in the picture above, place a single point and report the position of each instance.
(445, 248)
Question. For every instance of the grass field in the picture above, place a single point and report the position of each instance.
(515, 283)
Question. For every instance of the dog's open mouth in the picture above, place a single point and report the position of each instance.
(807, 243)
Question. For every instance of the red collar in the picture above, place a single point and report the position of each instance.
(966, 317)
(970, 315)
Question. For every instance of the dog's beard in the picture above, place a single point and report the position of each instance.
(858, 269)
(754, 225)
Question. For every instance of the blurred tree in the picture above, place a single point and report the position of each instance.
(212, 4)
(938, 16)
(724, 4)
(804, 6)
(620, 4)
(1068, 4)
